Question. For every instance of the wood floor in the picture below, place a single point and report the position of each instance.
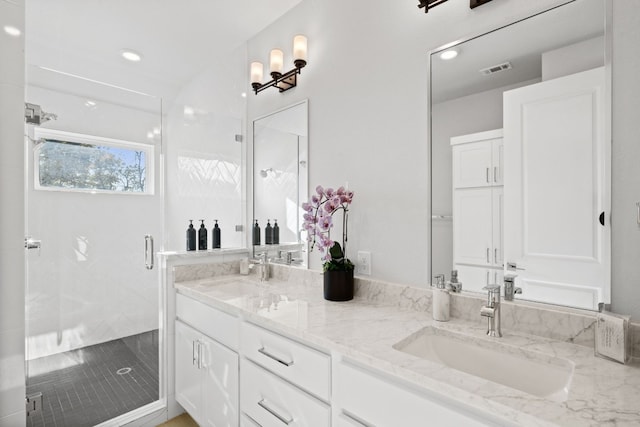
(183, 420)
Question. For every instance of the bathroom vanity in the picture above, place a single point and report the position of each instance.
(277, 353)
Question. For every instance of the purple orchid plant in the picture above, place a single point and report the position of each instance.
(318, 221)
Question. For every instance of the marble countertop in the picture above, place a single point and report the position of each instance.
(602, 393)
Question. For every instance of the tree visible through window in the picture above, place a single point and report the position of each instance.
(85, 166)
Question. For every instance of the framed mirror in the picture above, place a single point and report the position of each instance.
(280, 183)
(520, 157)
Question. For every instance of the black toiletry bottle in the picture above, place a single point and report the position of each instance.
(202, 237)
(215, 236)
(276, 232)
(256, 234)
(268, 234)
(191, 237)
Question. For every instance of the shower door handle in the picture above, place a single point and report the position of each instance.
(148, 251)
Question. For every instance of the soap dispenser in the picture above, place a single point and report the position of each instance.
(202, 237)
(256, 234)
(454, 285)
(191, 237)
(268, 234)
(441, 300)
(215, 236)
(276, 233)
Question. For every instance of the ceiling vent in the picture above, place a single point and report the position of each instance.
(496, 68)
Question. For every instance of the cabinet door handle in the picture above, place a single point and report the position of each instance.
(488, 256)
(274, 357)
(148, 251)
(264, 405)
(487, 177)
(495, 174)
(194, 358)
(495, 277)
(487, 278)
(495, 255)
(200, 364)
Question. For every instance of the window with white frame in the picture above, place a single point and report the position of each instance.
(66, 161)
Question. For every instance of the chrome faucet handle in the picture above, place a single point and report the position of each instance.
(492, 311)
(509, 287)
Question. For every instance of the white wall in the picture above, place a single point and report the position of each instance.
(88, 283)
(366, 81)
(12, 384)
(204, 163)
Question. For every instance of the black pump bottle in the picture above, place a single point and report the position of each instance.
(256, 234)
(268, 234)
(191, 237)
(202, 237)
(215, 233)
(276, 232)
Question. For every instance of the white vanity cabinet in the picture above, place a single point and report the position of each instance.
(365, 398)
(478, 199)
(283, 381)
(206, 369)
(477, 159)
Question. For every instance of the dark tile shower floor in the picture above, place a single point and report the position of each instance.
(83, 387)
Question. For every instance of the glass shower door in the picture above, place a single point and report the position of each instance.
(94, 209)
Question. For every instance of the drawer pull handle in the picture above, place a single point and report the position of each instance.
(355, 420)
(263, 404)
(276, 358)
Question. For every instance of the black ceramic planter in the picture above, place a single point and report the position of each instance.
(338, 285)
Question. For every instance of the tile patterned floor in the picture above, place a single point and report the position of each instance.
(83, 388)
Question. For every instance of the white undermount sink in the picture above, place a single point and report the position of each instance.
(534, 373)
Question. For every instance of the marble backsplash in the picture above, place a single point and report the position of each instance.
(555, 322)
(185, 273)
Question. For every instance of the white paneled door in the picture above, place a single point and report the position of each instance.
(557, 189)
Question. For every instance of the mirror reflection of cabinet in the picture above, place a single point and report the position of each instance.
(558, 194)
(558, 214)
(477, 208)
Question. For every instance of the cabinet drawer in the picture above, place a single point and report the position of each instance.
(307, 368)
(272, 402)
(214, 323)
(365, 398)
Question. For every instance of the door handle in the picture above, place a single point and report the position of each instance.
(487, 177)
(488, 256)
(495, 174)
(148, 251)
(601, 218)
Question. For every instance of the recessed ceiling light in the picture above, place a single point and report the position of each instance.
(131, 55)
(12, 31)
(449, 54)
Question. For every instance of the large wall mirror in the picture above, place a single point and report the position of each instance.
(280, 182)
(520, 157)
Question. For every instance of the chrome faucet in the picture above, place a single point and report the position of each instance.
(492, 310)
(262, 263)
(510, 289)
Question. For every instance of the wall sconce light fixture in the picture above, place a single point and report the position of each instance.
(429, 4)
(281, 81)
